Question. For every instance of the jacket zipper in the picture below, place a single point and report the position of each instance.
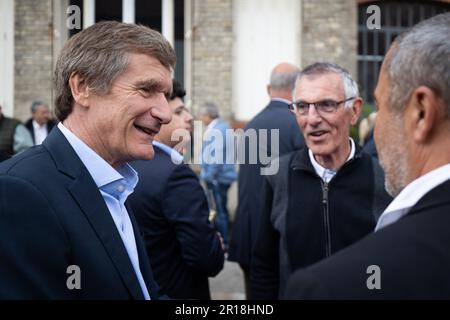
(326, 218)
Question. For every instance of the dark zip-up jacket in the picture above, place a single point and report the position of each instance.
(305, 219)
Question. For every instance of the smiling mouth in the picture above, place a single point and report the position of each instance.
(145, 130)
(318, 133)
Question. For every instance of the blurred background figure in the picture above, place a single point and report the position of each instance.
(275, 115)
(40, 123)
(217, 168)
(14, 137)
(366, 135)
(172, 212)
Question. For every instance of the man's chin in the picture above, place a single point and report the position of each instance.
(145, 153)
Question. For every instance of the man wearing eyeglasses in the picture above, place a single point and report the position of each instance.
(325, 196)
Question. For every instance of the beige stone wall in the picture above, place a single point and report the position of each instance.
(212, 54)
(330, 32)
(33, 55)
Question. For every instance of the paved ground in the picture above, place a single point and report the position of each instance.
(228, 284)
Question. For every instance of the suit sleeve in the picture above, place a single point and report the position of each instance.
(264, 270)
(184, 204)
(33, 257)
(303, 285)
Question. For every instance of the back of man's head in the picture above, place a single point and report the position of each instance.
(420, 57)
(177, 90)
(282, 81)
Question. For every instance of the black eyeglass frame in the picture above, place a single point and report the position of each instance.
(320, 108)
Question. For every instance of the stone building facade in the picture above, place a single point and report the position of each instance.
(32, 32)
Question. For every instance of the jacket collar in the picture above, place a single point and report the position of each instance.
(301, 160)
(85, 192)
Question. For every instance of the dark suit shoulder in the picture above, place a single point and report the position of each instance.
(24, 164)
(159, 168)
(411, 254)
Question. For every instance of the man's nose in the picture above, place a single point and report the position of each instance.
(161, 109)
(313, 116)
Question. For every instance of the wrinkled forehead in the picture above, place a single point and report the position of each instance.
(319, 86)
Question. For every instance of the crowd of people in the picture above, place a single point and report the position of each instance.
(106, 189)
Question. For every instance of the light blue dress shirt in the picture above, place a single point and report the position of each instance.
(176, 157)
(115, 186)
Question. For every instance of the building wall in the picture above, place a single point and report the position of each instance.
(212, 41)
(329, 32)
(33, 55)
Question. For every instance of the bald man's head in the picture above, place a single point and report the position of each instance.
(282, 81)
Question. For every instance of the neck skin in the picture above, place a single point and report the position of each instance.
(427, 157)
(78, 123)
(335, 160)
(281, 94)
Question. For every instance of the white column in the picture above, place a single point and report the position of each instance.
(128, 8)
(60, 30)
(168, 20)
(188, 51)
(88, 13)
(7, 57)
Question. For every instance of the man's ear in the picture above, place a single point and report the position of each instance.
(356, 110)
(268, 89)
(79, 88)
(422, 112)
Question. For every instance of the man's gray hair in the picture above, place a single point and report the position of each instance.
(320, 68)
(210, 109)
(283, 80)
(100, 53)
(421, 57)
(35, 104)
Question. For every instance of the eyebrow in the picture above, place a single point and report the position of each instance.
(154, 86)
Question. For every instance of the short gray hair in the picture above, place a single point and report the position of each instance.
(100, 53)
(210, 109)
(37, 103)
(320, 68)
(283, 80)
(421, 56)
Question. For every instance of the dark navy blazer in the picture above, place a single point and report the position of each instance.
(275, 116)
(53, 216)
(172, 211)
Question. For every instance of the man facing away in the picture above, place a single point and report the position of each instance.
(65, 229)
(325, 196)
(172, 212)
(408, 256)
(275, 116)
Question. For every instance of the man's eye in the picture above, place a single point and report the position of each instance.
(327, 104)
(302, 105)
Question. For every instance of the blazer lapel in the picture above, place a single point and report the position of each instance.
(88, 197)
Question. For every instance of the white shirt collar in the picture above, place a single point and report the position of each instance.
(411, 194)
(212, 124)
(281, 100)
(37, 126)
(101, 171)
(328, 174)
(176, 157)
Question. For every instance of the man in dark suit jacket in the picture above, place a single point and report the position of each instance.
(171, 209)
(65, 230)
(251, 177)
(40, 123)
(408, 256)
